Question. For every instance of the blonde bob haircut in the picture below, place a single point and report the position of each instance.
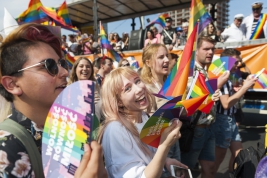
(149, 54)
(110, 94)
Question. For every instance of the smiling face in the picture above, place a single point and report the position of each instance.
(37, 87)
(204, 53)
(84, 70)
(238, 22)
(256, 11)
(133, 95)
(160, 62)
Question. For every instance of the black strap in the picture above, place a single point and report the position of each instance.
(26, 139)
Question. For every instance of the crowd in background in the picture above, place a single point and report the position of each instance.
(34, 72)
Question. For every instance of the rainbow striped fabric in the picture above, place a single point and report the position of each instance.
(63, 12)
(262, 79)
(198, 12)
(32, 14)
(111, 53)
(259, 27)
(180, 71)
(51, 12)
(161, 20)
(69, 58)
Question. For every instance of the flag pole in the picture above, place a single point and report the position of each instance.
(102, 50)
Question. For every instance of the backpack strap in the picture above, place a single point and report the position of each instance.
(26, 139)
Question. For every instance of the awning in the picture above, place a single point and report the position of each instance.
(81, 11)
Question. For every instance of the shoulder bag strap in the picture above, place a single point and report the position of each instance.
(26, 139)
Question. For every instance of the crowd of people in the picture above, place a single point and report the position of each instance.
(34, 72)
(240, 29)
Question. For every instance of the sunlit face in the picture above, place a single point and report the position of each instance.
(107, 67)
(134, 95)
(83, 70)
(149, 35)
(160, 63)
(237, 22)
(38, 88)
(205, 53)
(256, 11)
(211, 29)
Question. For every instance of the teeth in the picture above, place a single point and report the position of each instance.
(140, 98)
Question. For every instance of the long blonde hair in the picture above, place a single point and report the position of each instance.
(110, 94)
(5, 108)
(149, 53)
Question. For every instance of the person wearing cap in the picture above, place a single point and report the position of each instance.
(234, 32)
(255, 25)
(168, 36)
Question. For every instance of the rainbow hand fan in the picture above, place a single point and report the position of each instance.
(220, 65)
(158, 122)
(67, 128)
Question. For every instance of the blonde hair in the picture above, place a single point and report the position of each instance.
(149, 53)
(110, 94)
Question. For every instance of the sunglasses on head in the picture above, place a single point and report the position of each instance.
(50, 65)
(256, 9)
(124, 65)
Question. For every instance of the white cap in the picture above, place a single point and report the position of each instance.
(239, 16)
(257, 4)
(185, 24)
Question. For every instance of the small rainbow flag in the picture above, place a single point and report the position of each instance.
(63, 12)
(180, 71)
(161, 20)
(259, 27)
(32, 14)
(111, 53)
(262, 78)
(69, 58)
(198, 12)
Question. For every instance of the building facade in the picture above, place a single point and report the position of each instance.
(219, 12)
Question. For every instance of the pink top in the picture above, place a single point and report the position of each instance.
(158, 36)
(153, 41)
(86, 50)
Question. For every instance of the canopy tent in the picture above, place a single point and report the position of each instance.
(81, 11)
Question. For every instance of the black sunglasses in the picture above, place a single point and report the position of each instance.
(256, 9)
(126, 65)
(50, 66)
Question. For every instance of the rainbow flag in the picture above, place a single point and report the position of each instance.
(161, 20)
(198, 12)
(70, 59)
(103, 39)
(180, 71)
(111, 53)
(202, 88)
(262, 78)
(259, 27)
(32, 14)
(51, 12)
(63, 12)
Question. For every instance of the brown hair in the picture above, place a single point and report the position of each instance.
(13, 51)
(204, 38)
(73, 76)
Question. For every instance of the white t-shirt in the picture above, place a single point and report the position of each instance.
(123, 157)
(73, 46)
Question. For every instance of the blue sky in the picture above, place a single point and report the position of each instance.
(16, 7)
